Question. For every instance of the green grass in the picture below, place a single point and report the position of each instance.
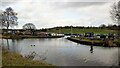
(87, 40)
(117, 41)
(14, 59)
(82, 31)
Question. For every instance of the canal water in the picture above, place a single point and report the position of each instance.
(62, 52)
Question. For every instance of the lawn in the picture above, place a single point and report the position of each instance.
(82, 31)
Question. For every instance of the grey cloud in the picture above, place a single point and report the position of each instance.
(91, 0)
(7, 2)
(77, 4)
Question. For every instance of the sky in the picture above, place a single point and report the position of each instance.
(52, 13)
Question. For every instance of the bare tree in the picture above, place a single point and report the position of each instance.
(115, 12)
(8, 18)
(102, 25)
(1, 18)
(29, 26)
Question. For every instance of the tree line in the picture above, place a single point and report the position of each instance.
(103, 26)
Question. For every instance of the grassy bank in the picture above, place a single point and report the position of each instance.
(14, 59)
(95, 42)
(82, 31)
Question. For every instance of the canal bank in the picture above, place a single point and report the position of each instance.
(104, 43)
(15, 59)
(27, 36)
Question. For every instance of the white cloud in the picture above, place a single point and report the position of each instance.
(44, 14)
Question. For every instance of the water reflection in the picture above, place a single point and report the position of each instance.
(13, 45)
(91, 48)
(8, 44)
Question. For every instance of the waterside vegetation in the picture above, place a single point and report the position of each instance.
(15, 59)
(96, 42)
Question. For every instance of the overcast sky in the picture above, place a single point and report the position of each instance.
(52, 13)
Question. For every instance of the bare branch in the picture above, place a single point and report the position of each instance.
(8, 18)
(29, 26)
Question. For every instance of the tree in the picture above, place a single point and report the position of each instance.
(115, 12)
(102, 25)
(1, 18)
(29, 26)
(8, 18)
